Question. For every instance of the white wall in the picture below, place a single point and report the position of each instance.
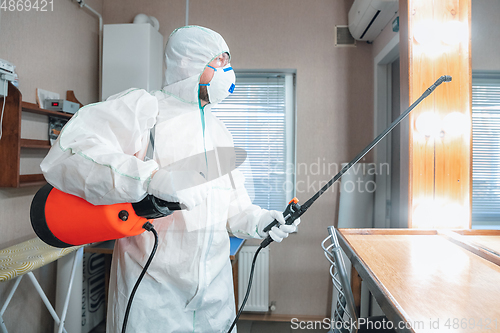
(56, 51)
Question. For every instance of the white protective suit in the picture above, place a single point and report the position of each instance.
(99, 156)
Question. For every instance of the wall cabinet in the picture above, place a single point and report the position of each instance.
(11, 143)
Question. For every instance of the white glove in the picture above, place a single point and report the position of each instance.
(185, 187)
(276, 233)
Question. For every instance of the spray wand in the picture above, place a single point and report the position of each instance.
(293, 210)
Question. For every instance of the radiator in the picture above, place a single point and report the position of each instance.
(258, 300)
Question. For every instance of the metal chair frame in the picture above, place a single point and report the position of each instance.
(343, 318)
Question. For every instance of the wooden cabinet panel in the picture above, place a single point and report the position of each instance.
(440, 164)
(11, 142)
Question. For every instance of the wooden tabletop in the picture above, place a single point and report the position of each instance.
(429, 279)
(490, 242)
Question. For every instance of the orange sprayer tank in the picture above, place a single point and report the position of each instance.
(63, 220)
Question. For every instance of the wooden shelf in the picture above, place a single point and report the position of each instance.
(11, 142)
(31, 180)
(33, 108)
(30, 143)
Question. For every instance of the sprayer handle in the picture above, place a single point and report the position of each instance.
(287, 213)
(169, 205)
(152, 207)
(291, 213)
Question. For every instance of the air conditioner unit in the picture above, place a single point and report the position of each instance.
(367, 18)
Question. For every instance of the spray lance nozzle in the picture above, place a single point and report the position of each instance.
(444, 78)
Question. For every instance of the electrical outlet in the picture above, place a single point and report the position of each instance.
(4, 84)
(5, 77)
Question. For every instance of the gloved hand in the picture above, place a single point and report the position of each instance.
(276, 233)
(186, 187)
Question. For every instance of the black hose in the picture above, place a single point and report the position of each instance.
(248, 290)
(149, 227)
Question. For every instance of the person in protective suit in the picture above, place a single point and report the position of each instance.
(100, 156)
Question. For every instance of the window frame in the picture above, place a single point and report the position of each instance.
(482, 78)
(290, 123)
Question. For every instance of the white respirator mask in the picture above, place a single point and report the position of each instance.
(222, 84)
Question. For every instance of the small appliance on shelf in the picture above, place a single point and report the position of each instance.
(61, 105)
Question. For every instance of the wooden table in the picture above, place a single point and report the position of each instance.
(435, 281)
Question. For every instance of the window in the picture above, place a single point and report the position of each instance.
(486, 150)
(260, 114)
